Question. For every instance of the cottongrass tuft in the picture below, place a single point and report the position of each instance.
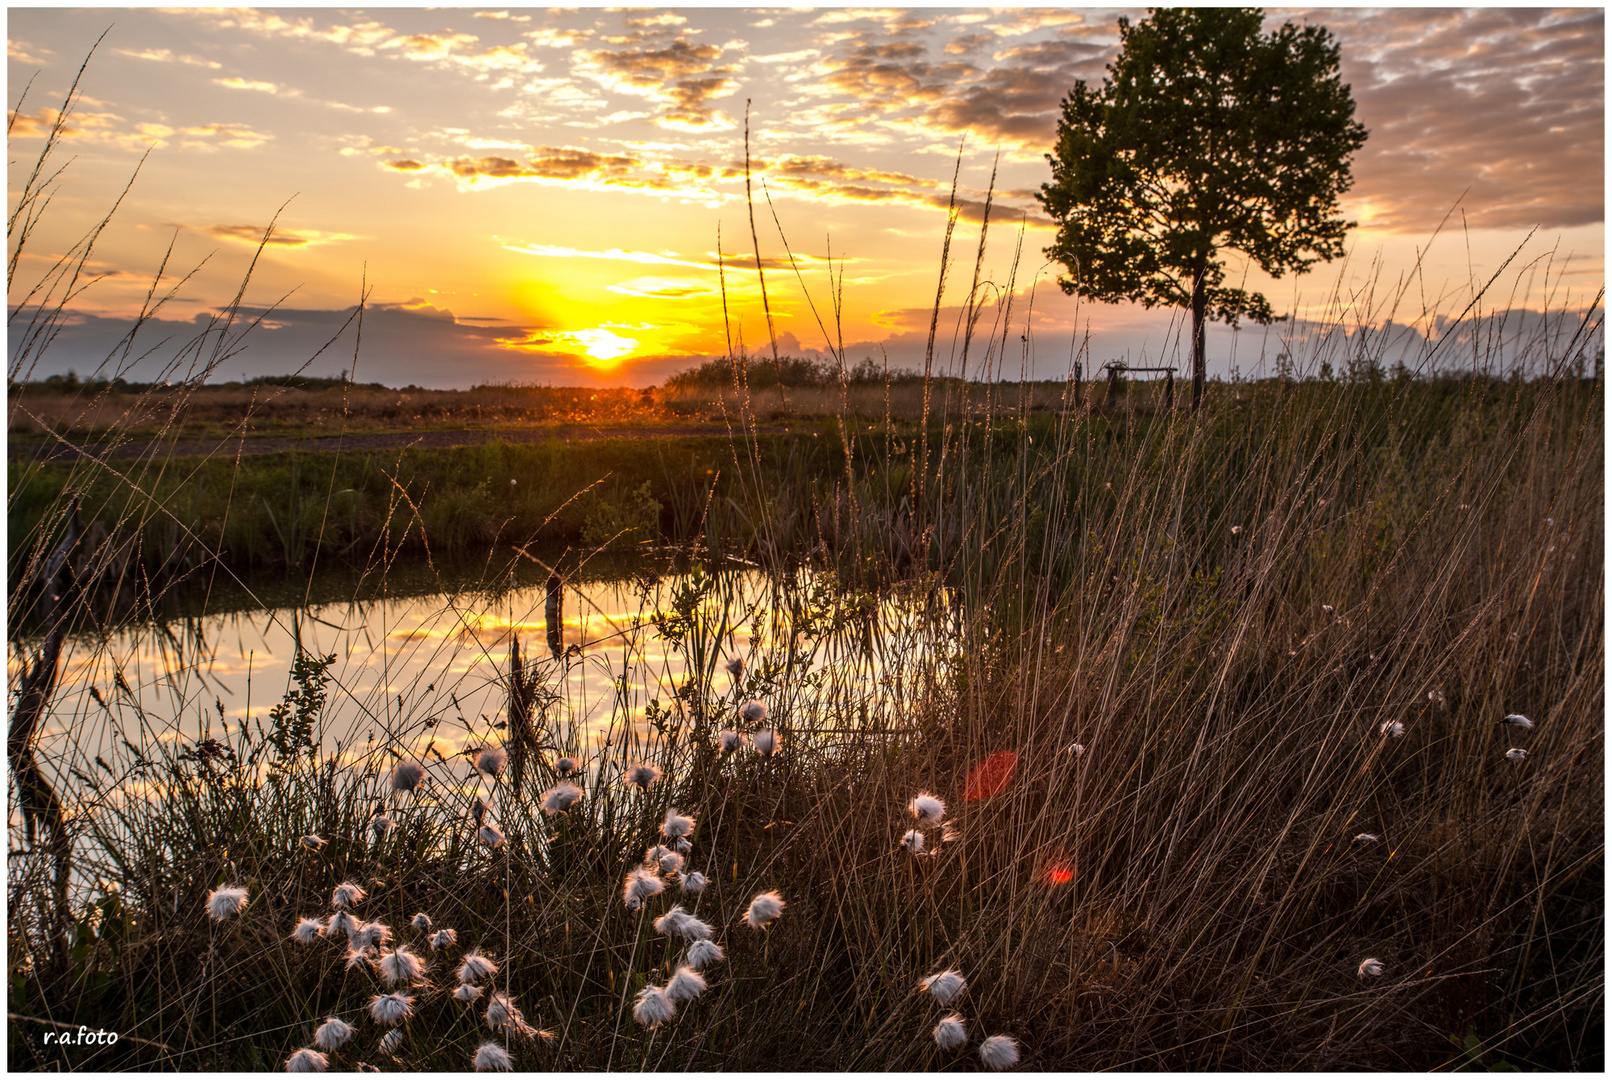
(1392, 729)
(359, 957)
(928, 809)
(951, 1033)
(346, 895)
(406, 776)
(1370, 967)
(490, 1057)
(476, 967)
(467, 993)
(686, 984)
(391, 1009)
(308, 931)
(999, 1052)
(306, 1060)
(1518, 720)
(1367, 838)
(565, 766)
(671, 862)
(480, 809)
(492, 836)
(728, 741)
(400, 965)
(332, 1034)
(641, 774)
(226, 902)
(380, 825)
(341, 923)
(943, 986)
(754, 712)
(1517, 754)
(421, 922)
(443, 938)
(491, 761)
(683, 846)
(949, 834)
(560, 798)
(765, 741)
(653, 1008)
(679, 923)
(312, 842)
(693, 882)
(735, 667)
(641, 884)
(676, 826)
(913, 841)
(703, 951)
(373, 934)
(392, 1041)
(763, 910)
(501, 1012)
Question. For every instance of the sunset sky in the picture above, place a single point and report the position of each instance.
(536, 194)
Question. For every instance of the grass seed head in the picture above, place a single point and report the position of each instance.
(703, 951)
(735, 667)
(641, 774)
(1518, 720)
(307, 1060)
(1517, 754)
(490, 1057)
(686, 984)
(653, 1008)
(467, 993)
(501, 1012)
(913, 841)
(754, 712)
(346, 895)
(390, 1009)
(676, 826)
(370, 935)
(421, 922)
(763, 910)
(359, 957)
(928, 809)
(1367, 838)
(392, 1041)
(490, 761)
(226, 902)
(443, 938)
(1370, 967)
(765, 741)
(951, 1033)
(332, 1034)
(400, 965)
(406, 776)
(728, 741)
(693, 882)
(380, 825)
(492, 836)
(341, 923)
(566, 766)
(560, 798)
(476, 967)
(312, 843)
(999, 1052)
(1393, 729)
(641, 884)
(308, 931)
(943, 986)
(480, 809)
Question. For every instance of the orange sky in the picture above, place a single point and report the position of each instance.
(537, 195)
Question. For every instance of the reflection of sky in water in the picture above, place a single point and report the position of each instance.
(426, 673)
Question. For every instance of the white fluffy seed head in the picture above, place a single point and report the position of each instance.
(491, 761)
(490, 1057)
(653, 1008)
(1370, 967)
(400, 965)
(735, 667)
(392, 1041)
(1518, 720)
(676, 826)
(913, 841)
(566, 766)
(641, 884)
(359, 957)
(406, 776)
(492, 836)
(467, 993)
(380, 825)
(703, 951)
(951, 1033)
(480, 809)
(421, 922)
(754, 712)
(943, 986)
(728, 741)
(308, 931)
(683, 846)
(669, 922)
(764, 909)
(560, 798)
(1393, 729)
(476, 967)
(391, 1009)
(671, 862)
(312, 842)
(1516, 754)
(694, 882)
(332, 1034)
(928, 809)
(685, 985)
(443, 938)
(999, 1052)
(641, 774)
(346, 895)
(501, 1012)
(341, 923)
(226, 902)
(306, 1060)
(765, 741)
(1367, 838)
(370, 935)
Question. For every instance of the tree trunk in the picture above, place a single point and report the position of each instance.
(1198, 303)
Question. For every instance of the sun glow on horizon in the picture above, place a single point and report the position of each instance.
(604, 348)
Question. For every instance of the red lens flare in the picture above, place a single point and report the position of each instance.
(991, 776)
(1059, 874)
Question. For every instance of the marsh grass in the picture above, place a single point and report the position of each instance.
(1221, 609)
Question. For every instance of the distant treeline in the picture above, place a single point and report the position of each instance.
(763, 372)
(71, 382)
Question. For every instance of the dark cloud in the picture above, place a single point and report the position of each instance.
(545, 162)
(684, 77)
(253, 234)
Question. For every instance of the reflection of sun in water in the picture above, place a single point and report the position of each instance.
(604, 347)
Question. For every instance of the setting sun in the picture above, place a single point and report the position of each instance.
(604, 348)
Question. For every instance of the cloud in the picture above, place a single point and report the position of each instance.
(681, 77)
(281, 237)
(168, 56)
(249, 84)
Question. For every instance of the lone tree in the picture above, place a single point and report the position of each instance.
(1207, 135)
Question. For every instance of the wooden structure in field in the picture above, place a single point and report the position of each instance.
(1116, 368)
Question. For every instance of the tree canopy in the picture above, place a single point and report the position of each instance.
(1207, 135)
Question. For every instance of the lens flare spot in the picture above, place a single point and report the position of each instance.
(1059, 873)
(991, 776)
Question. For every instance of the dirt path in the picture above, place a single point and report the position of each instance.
(361, 442)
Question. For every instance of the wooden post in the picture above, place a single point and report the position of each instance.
(1169, 390)
(552, 613)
